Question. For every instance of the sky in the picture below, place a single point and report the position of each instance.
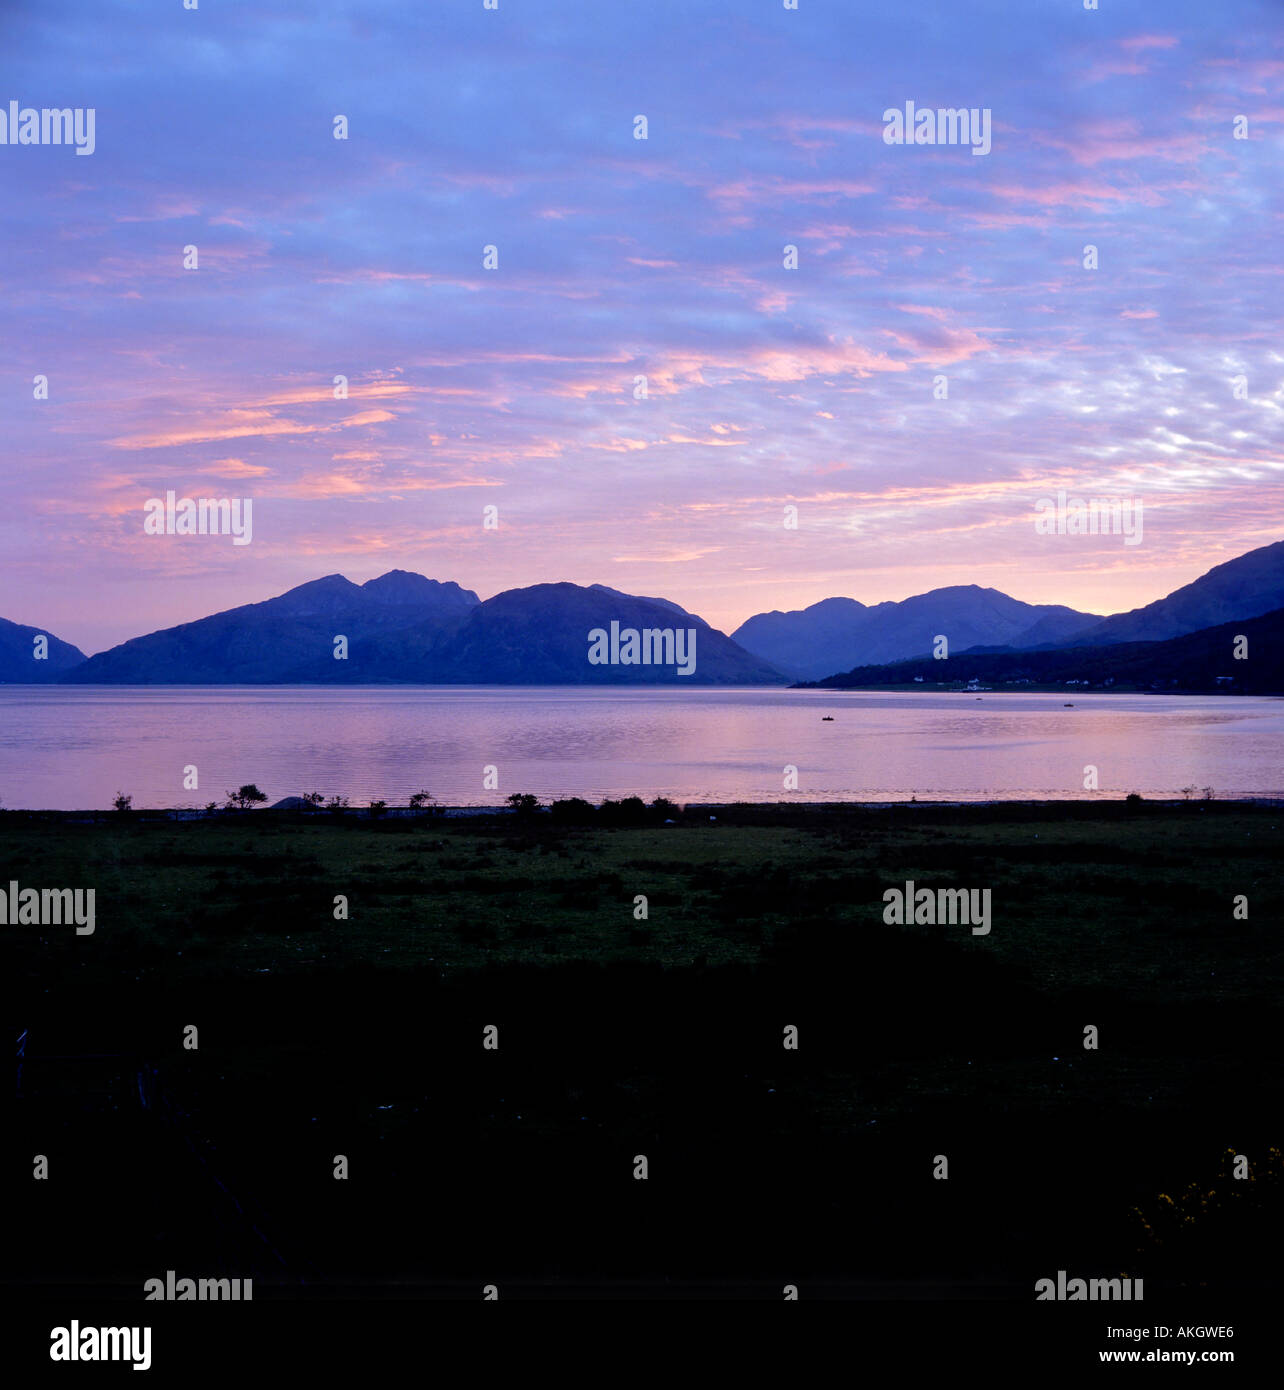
(939, 360)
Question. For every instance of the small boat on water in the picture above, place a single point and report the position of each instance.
(828, 718)
(1067, 707)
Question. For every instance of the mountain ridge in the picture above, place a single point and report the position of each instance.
(1243, 587)
(1200, 662)
(19, 663)
(403, 626)
(837, 633)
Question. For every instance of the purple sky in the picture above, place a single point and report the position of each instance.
(620, 257)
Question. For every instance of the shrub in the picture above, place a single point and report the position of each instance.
(245, 797)
(630, 811)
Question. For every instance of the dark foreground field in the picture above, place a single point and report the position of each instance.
(619, 1037)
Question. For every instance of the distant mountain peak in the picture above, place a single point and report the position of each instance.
(405, 586)
(327, 583)
(835, 603)
(18, 661)
(396, 574)
(837, 634)
(1248, 586)
(662, 602)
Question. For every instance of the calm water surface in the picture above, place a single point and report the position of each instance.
(76, 747)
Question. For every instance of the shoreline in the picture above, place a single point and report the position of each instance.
(277, 815)
(632, 687)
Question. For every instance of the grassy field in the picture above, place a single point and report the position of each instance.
(662, 1037)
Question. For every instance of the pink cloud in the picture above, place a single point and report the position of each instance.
(1140, 42)
(776, 188)
(235, 468)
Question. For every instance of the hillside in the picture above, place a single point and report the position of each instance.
(1199, 662)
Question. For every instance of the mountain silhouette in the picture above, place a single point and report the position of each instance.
(1202, 662)
(1245, 587)
(276, 640)
(838, 633)
(403, 627)
(19, 664)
